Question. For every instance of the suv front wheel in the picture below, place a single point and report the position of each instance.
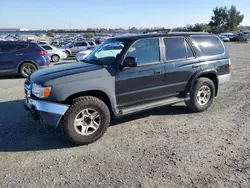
(202, 95)
(86, 120)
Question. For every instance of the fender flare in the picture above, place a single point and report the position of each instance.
(28, 61)
(198, 74)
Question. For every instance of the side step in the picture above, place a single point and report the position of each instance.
(141, 107)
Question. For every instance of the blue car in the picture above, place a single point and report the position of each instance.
(23, 58)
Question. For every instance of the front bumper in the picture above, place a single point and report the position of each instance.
(47, 112)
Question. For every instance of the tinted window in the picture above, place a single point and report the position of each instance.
(177, 48)
(7, 47)
(81, 44)
(146, 51)
(91, 44)
(22, 46)
(209, 45)
(47, 47)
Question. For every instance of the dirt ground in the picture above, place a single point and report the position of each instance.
(168, 147)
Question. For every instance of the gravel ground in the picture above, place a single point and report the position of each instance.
(168, 147)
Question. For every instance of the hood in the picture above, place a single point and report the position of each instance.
(57, 71)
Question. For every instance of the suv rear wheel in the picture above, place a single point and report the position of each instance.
(202, 95)
(86, 120)
(55, 58)
(26, 69)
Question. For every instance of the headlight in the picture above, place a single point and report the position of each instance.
(40, 92)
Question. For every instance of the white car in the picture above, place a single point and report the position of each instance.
(224, 38)
(82, 55)
(55, 53)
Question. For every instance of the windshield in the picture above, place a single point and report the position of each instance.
(107, 52)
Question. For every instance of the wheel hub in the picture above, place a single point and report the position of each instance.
(203, 95)
(87, 122)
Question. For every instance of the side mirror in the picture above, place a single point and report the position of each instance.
(130, 62)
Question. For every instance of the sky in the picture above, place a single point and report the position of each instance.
(82, 14)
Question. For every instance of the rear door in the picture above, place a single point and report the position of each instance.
(144, 82)
(8, 56)
(83, 46)
(181, 63)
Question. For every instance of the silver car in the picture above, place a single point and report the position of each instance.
(73, 48)
(82, 55)
(55, 53)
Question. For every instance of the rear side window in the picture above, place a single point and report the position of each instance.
(47, 47)
(177, 48)
(22, 46)
(7, 48)
(82, 44)
(209, 45)
(91, 44)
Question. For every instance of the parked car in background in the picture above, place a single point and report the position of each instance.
(55, 43)
(224, 38)
(42, 42)
(55, 53)
(82, 55)
(73, 48)
(24, 58)
(126, 75)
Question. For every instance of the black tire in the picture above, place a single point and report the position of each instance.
(55, 58)
(23, 69)
(193, 103)
(78, 105)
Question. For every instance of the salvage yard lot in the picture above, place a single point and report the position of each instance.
(167, 147)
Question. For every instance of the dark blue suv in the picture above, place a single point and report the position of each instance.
(18, 57)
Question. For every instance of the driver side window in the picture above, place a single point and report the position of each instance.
(145, 50)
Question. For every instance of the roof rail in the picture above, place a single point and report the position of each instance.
(188, 32)
(157, 31)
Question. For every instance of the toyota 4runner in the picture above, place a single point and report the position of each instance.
(135, 73)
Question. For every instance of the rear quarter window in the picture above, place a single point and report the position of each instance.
(91, 43)
(209, 45)
(22, 46)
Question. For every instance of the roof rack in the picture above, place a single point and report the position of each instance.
(168, 31)
(157, 31)
(188, 32)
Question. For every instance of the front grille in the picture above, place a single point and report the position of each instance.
(27, 82)
(27, 87)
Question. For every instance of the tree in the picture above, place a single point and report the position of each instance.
(234, 19)
(200, 27)
(219, 22)
(225, 20)
(89, 35)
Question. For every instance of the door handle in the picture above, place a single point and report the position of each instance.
(195, 66)
(18, 54)
(157, 72)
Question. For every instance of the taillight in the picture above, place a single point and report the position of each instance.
(229, 65)
(63, 51)
(41, 53)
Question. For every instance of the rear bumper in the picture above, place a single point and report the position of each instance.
(63, 55)
(48, 113)
(224, 78)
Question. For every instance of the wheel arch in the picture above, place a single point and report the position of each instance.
(210, 74)
(95, 93)
(26, 61)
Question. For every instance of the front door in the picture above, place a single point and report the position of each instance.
(144, 82)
